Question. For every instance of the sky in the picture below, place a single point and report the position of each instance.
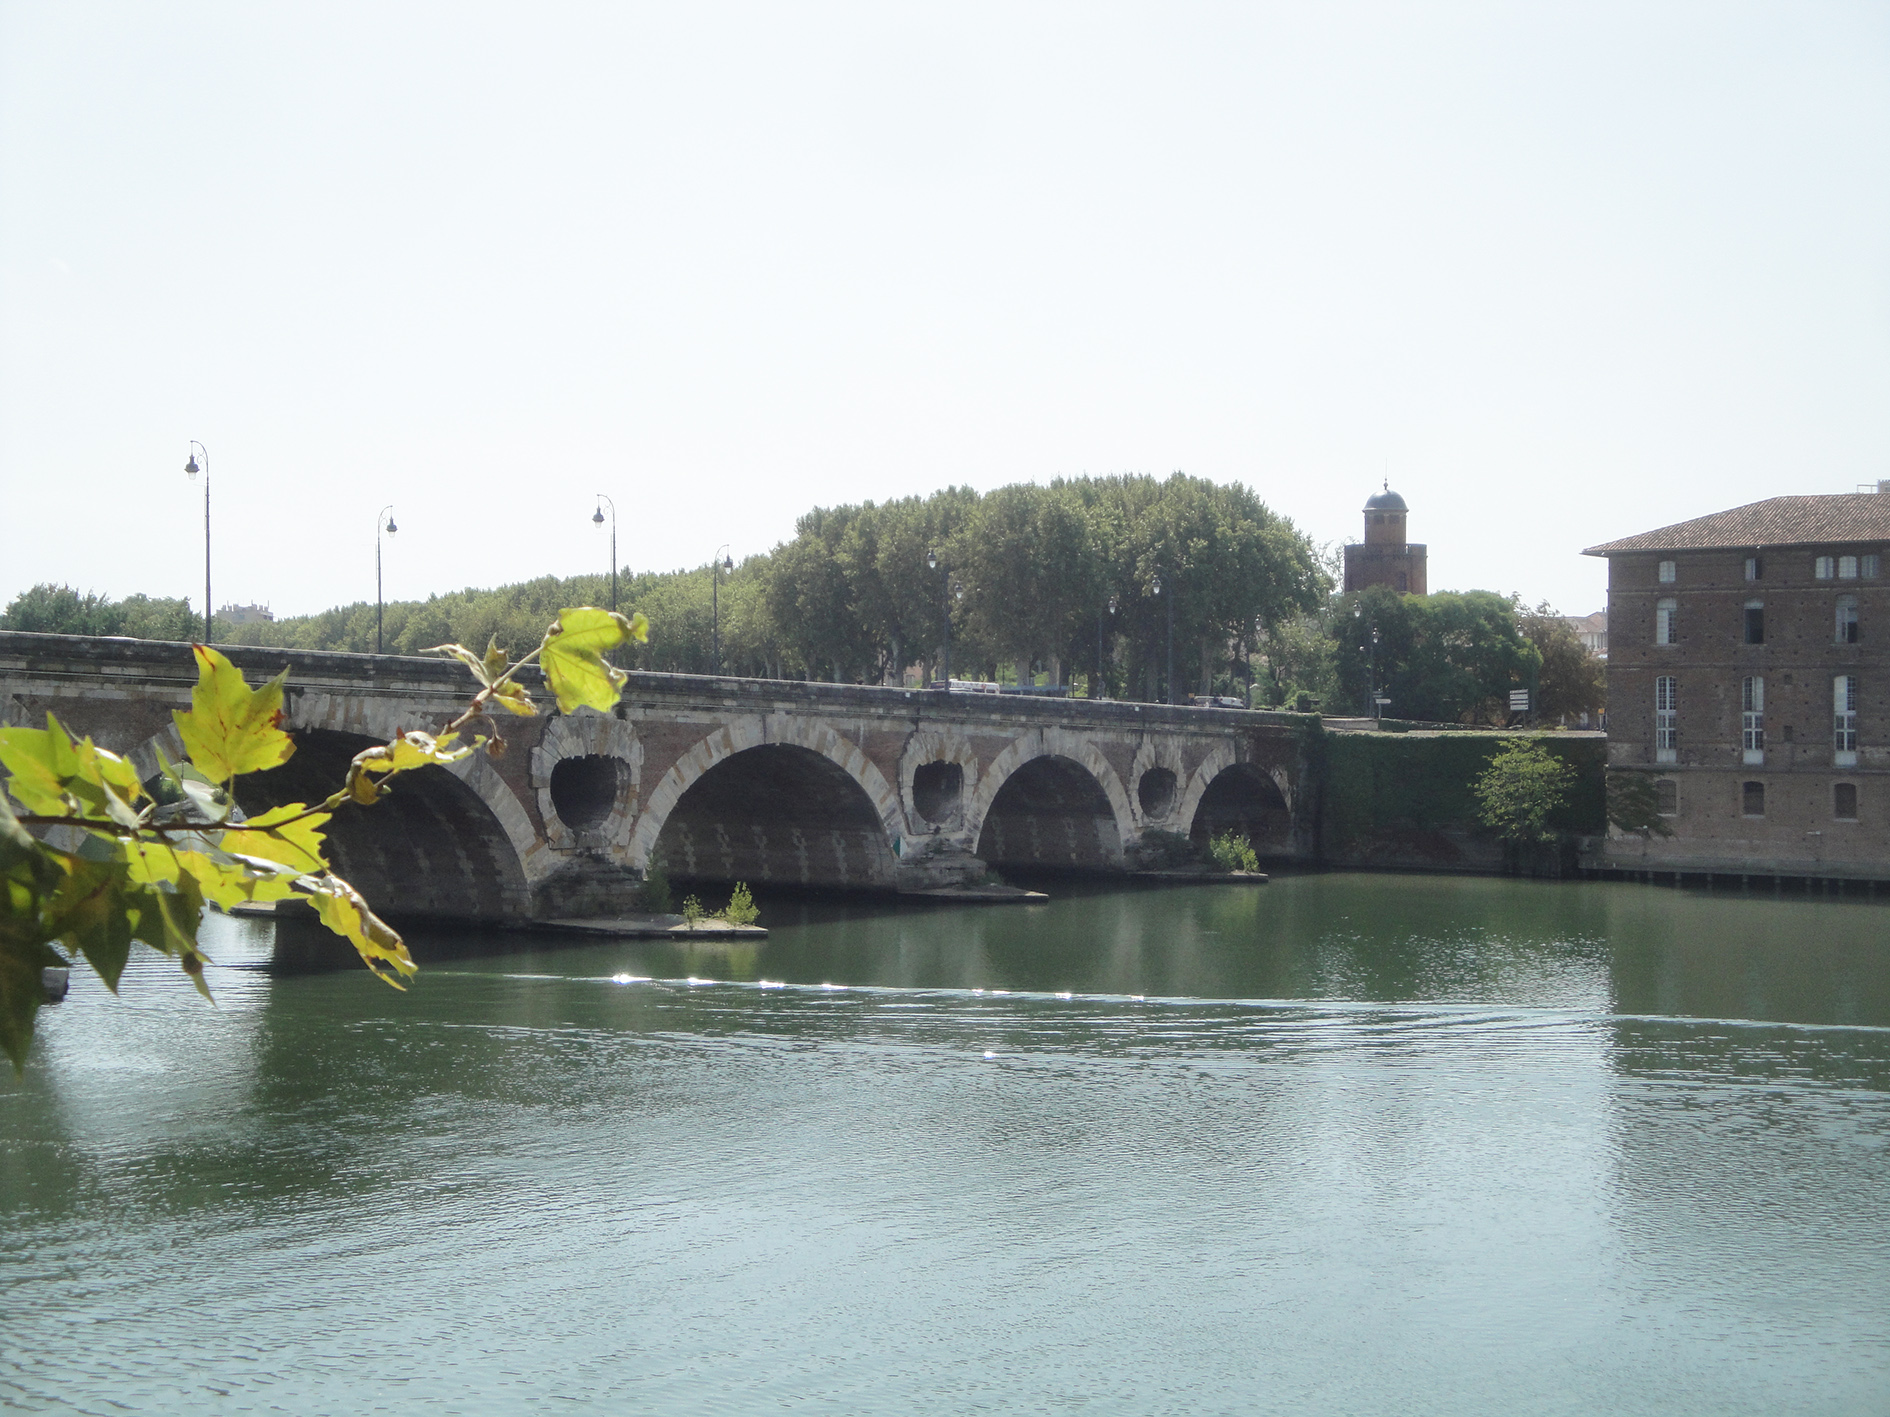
(1561, 273)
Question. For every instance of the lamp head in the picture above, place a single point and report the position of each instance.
(931, 560)
(1112, 605)
(391, 528)
(1156, 585)
(190, 468)
(958, 591)
(728, 563)
(597, 517)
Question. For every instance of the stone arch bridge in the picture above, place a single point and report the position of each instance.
(720, 779)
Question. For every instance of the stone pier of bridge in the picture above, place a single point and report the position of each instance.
(719, 779)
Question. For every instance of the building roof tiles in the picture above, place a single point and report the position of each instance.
(1777, 521)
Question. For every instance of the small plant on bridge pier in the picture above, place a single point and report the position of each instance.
(1233, 852)
(140, 864)
(741, 906)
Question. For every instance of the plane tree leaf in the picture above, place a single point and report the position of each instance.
(231, 728)
(284, 835)
(342, 910)
(573, 656)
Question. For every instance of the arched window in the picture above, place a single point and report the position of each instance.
(1666, 617)
(1666, 721)
(1847, 619)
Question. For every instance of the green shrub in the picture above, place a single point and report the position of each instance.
(1520, 790)
(1160, 850)
(741, 906)
(653, 897)
(692, 911)
(1233, 852)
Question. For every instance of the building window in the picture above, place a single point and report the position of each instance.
(1871, 566)
(1666, 616)
(1755, 568)
(1752, 718)
(1844, 801)
(1755, 622)
(1752, 799)
(1667, 797)
(1847, 620)
(1666, 721)
(1666, 573)
(1824, 568)
(1404, 581)
(1844, 719)
(1847, 568)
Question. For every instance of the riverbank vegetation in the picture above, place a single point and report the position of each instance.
(1071, 584)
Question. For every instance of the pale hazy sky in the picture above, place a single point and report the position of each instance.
(1565, 272)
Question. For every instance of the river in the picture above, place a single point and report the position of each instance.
(1346, 1144)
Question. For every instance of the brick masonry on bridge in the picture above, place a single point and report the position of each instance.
(717, 779)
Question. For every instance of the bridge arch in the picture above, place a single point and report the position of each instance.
(1228, 794)
(775, 798)
(1051, 798)
(434, 846)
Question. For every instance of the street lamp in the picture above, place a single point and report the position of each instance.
(952, 590)
(1094, 688)
(390, 529)
(190, 471)
(597, 520)
(718, 563)
(1168, 684)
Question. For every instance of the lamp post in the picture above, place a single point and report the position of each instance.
(190, 471)
(953, 591)
(597, 520)
(1094, 688)
(1372, 671)
(390, 528)
(718, 563)
(1168, 684)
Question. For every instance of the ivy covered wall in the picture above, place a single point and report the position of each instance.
(1406, 799)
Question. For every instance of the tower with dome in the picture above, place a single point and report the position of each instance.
(1385, 558)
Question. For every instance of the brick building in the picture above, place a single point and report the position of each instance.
(1749, 676)
(1385, 557)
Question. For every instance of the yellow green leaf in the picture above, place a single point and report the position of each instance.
(512, 695)
(38, 760)
(231, 728)
(297, 844)
(230, 881)
(496, 661)
(466, 657)
(572, 656)
(342, 910)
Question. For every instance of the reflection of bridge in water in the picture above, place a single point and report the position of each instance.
(718, 779)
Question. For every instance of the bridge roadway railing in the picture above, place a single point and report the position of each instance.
(79, 660)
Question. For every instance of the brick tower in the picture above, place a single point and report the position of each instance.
(1385, 557)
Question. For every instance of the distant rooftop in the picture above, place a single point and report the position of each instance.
(1777, 521)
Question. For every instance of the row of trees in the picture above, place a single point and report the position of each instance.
(1034, 580)
(1038, 581)
(1445, 658)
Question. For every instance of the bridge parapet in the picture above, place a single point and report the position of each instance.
(717, 778)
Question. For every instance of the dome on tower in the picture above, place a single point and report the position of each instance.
(1386, 501)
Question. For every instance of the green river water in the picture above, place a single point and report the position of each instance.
(1345, 1144)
